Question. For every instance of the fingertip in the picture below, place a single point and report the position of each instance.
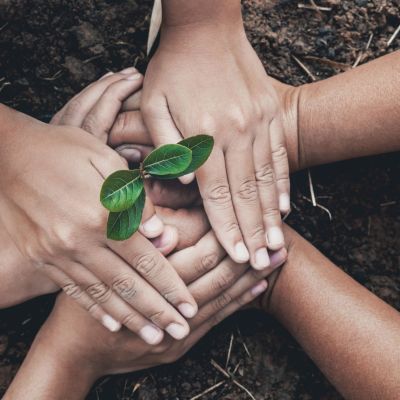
(177, 331)
(275, 238)
(284, 203)
(110, 323)
(188, 178)
(151, 334)
(167, 241)
(152, 228)
(259, 288)
(241, 253)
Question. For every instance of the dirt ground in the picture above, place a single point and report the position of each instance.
(52, 49)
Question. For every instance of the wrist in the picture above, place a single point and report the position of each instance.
(180, 13)
(195, 24)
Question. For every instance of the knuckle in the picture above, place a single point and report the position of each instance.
(206, 263)
(66, 236)
(207, 124)
(222, 301)
(97, 219)
(248, 190)
(279, 153)
(157, 317)
(238, 120)
(148, 265)
(73, 107)
(218, 193)
(271, 212)
(130, 319)
(125, 286)
(265, 174)
(91, 123)
(99, 291)
(230, 227)
(256, 232)
(113, 158)
(72, 290)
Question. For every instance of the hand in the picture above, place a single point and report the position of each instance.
(51, 177)
(206, 78)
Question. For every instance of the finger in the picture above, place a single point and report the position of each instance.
(129, 127)
(132, 103)
(214, 300)
(85, 301)
(246, 201)
(102, 115)
(281, 164)
(224, 308)
(159, 122)
(113, 304)
(157, 271)
(173, 194)
(134, 153)
(184, 221)
(151, 225)
(167, 242)
(217, 200)
(204, 256)
(267, 189)
(74, 112)
(138, 290)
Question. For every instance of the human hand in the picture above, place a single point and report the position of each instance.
(64, 234)
(208, 79)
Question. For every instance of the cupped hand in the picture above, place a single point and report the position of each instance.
(51, 179)
(219, 285)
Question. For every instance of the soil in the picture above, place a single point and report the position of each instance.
(52, 49)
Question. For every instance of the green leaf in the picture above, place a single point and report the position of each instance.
(122, 225)
(167, 159)
(121, 189)
(201, 147)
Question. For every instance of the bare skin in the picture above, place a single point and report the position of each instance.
(360, 355)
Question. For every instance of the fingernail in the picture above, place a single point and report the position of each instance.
(277, 258)
(275, 237)
(262, 258)
(152, 227)
(188, 178)
(127, 71)
(177, 331)
(187, 310)
(151, 334)
(130, 154)
(110, 323)
(133, 77)
(284, 203)
(259, 288)
(241, 252)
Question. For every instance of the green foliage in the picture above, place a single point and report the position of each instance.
(167, 159)
(123, 191)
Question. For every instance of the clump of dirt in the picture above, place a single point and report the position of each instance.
(53, 49)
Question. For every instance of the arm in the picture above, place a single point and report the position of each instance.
(354, 114)
(352, 335)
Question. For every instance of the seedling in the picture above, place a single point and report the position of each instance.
(123, 192)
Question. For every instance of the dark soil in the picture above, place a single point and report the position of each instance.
(52, 49)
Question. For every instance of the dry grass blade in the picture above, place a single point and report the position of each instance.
(391, 40)
(304, 68)
(311, 7)
(228, 357)
(210, 389)
(330, 63)
(319, 206)
(155, 24)
(310, 184)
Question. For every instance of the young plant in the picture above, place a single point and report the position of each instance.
(123, 192)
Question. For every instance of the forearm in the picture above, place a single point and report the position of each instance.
(352, 336)
(48, 375)
(353, 114)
